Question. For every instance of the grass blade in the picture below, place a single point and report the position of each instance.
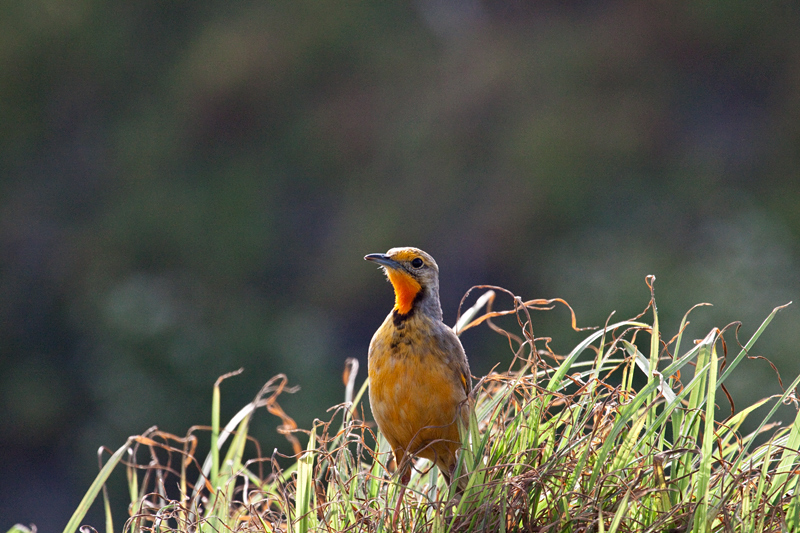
(95, 488)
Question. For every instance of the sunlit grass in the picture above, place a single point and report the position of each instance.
(557, 443)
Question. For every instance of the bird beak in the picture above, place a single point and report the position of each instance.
(382, 259)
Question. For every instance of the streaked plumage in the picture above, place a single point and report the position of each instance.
(419, 375)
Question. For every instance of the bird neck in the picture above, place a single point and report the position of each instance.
(406, 291)
(410, 296)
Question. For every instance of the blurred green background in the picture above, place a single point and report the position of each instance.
(189, 187)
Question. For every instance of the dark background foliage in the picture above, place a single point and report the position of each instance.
(189, 188)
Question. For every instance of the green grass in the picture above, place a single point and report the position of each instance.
(557, 444)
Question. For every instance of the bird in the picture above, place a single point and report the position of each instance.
(419, 376)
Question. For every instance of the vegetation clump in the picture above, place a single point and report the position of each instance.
(627, 439)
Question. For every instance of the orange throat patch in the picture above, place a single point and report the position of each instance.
(406, 289)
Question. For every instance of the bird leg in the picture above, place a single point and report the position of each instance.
(403, 463)
(396, 516)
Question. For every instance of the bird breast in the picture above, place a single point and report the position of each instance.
(413, 382)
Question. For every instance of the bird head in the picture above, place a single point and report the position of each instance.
(413, 274)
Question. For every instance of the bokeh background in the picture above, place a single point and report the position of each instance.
(189, 187)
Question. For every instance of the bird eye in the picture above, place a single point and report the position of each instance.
(416, 263)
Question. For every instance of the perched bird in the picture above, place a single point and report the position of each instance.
(418, 371)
